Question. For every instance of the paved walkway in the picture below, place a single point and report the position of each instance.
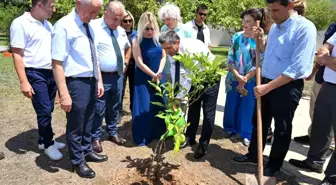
(297, 151)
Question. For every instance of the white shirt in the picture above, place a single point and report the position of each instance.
(329, 74)
(191, 26)
(34, 38)
(71, 46)
(106, 52)
(191, 46)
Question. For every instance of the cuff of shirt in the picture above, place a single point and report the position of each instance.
(291, 74)
(59, 58)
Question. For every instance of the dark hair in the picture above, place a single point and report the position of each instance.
(282, 2)
(258, 14)
(34, 2)
(201, 7)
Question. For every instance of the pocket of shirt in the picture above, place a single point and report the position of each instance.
(284, 48)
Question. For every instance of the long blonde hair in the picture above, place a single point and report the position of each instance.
(148, 18)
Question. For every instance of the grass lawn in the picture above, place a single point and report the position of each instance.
(3, 40)
(220, 52)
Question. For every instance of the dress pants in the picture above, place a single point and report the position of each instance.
(83, 92)
(324, 120)
(108, 106)
(279, 104)
(43, 83)
(208, 100)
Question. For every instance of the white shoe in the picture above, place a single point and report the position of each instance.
(53, 153)
(59, 146)
(246, 142)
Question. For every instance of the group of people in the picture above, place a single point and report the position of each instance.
(88, 61)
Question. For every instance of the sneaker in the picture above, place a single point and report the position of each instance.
(59, 146)
(53, 153)
(246, 142)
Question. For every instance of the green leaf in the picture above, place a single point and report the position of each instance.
(158, 104)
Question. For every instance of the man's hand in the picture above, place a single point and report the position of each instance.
(322, 59)
(261, 90)
(66, 102)
(27, 90)
(100, 89)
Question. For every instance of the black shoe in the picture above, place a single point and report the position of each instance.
(329, 152)
(326, 181)
(2, 155)
(270, 171)
(188, 142)
(302, 139)
(304, 165)
(83, 170)
(200, 152)
(244, 159)
(94, 157)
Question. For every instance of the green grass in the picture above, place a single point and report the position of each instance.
(4, 40)
(220, 52)
(8, 79)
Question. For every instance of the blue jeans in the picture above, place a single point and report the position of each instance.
(108, 106)
(238, 112)
(83, 92)
(43, 83)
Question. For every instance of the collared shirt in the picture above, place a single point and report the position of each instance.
(71, 46)
(290, 49)
(34, 38)
(329, 74)
(106, 52)
(180, 29)
(191, 25)
(191, 46)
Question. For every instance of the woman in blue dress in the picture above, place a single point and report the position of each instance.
(239, 105)
(150, 61)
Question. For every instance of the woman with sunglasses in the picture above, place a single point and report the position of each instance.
(150, 60)
(128, 24)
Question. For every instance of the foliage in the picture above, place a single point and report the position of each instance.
(204, 73)
(137, 7)
(321, 12)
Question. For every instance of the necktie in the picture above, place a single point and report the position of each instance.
(177, 75)
(93, 51)
(117, 51)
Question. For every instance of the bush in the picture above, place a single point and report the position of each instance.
(321, 12)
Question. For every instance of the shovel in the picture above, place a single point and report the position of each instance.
(261, 180)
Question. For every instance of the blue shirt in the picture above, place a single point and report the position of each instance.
(106, 52)
(71, 46)
(290, 49)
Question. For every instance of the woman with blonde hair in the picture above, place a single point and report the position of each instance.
(150, 59)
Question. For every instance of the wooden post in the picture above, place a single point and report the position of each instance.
(259, 121)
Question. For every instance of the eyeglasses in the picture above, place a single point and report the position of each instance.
(147, 29)
(127, 21)
(202, 14)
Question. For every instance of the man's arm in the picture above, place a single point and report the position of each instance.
(25, 86)
(128, 53)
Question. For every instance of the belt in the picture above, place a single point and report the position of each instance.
(36, 69)
(109, 73)
(80, 78)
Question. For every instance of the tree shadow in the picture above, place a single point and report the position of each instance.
(27, 142)
(144, 167)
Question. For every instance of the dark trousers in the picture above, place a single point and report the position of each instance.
(108, 106)
(130, 76)
(83, 92)
(324, 120)
(209, 102)
(43, 83)
(279, 104)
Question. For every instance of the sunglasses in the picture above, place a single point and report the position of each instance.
(147, 29)
(202, 14)
(127, 21)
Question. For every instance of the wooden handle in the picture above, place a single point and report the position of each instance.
(259, 121)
